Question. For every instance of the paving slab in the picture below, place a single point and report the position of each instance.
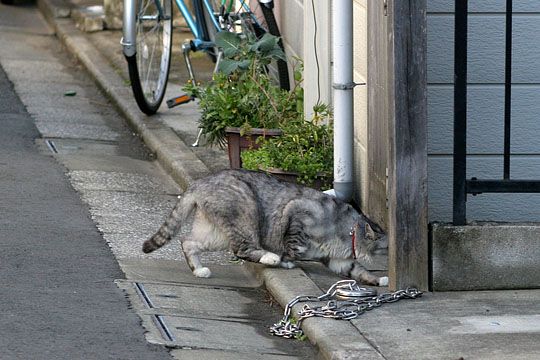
(228, 313)
(92, 162)
(222, 355)
(203, 301)
(57, 129)
(24, 19)
(76, 147)
(50, 71)
(169, 271)
(454, 325)
(218, 334)
(122, 181)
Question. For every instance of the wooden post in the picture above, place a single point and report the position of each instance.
(407, 157)
(377, 144)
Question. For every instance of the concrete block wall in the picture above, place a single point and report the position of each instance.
(486, 51)
(485, 256)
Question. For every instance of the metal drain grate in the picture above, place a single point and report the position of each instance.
(144, 295)
(158, 319)
(165, 332)
(51, 146)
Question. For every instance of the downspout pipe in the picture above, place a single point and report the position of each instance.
(343, 85)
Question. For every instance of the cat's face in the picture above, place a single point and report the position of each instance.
(368, 241)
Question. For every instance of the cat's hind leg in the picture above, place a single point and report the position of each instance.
(239, 225)
(191, 252)
(205, 236)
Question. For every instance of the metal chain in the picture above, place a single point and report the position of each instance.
(346, 301)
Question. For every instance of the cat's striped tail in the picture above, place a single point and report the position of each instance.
(181, 211)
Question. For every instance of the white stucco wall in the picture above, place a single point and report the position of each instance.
(298, 29)
(360, 102)
(486, 51)
(290, 16)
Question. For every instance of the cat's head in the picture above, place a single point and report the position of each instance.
(368, 240)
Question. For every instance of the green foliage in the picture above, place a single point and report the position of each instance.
(242, 94)
(306, 148)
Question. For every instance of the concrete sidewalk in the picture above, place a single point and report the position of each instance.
(469, 325)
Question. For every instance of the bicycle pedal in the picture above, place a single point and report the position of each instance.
(179, 100)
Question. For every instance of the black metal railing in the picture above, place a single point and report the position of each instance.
(463, 186)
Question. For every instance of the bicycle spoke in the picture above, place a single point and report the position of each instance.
(149, 88)
(150, 42)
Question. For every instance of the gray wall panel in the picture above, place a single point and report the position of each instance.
(446, 6)
(485, 119)
(485, 106)
(489, 207)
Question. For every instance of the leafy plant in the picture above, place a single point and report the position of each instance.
(242, 94)
(305, 148)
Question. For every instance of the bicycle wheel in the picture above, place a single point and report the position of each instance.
(149, 67)
(251, 18)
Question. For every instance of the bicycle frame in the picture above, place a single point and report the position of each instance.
(128, 29)
(129, 36)
(195, 26)
(129, 21)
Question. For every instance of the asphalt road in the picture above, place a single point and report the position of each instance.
(58, 298)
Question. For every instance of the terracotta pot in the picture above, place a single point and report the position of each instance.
(237, 143)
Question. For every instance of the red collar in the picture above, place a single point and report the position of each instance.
(353, 240)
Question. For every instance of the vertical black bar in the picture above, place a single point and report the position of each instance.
(508, 90)
(460, 112)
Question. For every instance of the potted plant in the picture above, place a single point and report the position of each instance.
(242, 102)
(304, 153)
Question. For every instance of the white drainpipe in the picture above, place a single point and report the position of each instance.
(342, 48)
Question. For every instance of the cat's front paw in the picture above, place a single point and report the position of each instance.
(383, 281)
(287, 264)
(203, 272)
(270, 259)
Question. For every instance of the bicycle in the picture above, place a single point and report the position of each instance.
(147, 40)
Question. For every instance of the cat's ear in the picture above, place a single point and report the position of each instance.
(370, 234)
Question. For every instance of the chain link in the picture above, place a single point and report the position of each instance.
(346, 300)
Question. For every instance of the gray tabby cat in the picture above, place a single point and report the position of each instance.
(264, 220)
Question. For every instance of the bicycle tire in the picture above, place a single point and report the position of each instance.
(149, 66)
(258, 30)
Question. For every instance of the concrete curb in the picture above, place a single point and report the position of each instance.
(334, 339)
